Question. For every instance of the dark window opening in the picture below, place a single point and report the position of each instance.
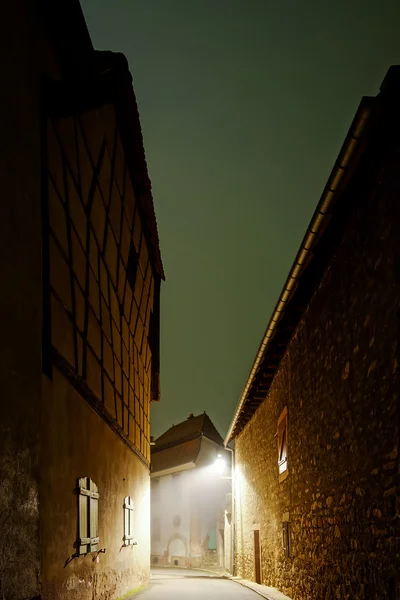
(155, 489)
(286, 538)
(257, 556)
(177, 521)
(133, 261)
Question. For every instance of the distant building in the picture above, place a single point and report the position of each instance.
(316, 430)
(81, 273)
(190, 471)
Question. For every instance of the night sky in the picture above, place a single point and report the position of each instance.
(244, 105)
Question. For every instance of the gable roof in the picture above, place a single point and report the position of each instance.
(322, 236)
(192, 428)
(185, 453)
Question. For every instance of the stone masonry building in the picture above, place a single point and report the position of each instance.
(189, 466)
(316, 430)
(81, 272)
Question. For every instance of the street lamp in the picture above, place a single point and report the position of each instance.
(219, 465)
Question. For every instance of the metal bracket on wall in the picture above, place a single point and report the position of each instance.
(96, 554)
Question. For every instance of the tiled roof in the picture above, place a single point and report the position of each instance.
(193, 427)
(176, 456)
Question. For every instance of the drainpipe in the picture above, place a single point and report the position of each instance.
(233, 521)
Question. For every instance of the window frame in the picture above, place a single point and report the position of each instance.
(155, 489)
(176, 481)
(88, 517)
(282, 440)
(286, 538)
(129, 512)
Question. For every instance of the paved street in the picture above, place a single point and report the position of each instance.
(179, 584)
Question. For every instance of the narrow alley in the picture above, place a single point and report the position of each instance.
(177, 584)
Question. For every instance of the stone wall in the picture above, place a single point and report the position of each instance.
(339, 381)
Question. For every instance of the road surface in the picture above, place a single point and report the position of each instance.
(182, 584)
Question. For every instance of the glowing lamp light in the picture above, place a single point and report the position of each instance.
(219, 465)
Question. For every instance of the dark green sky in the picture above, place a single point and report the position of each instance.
(244, 105)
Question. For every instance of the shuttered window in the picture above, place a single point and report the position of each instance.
(282, 435)
(128, 521)
(88, 516)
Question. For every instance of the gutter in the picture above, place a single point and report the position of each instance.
(317, 225)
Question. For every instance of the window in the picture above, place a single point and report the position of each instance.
(177, 521)
(286, 538)
(131, 271)
(128, 522)
(282, 435)
(88, 516)
(155, 489)
(155, 529)
(177, 485)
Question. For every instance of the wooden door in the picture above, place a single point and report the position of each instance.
(257, 556)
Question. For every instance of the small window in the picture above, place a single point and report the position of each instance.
(177, 485)
(155, 489)
(282, 435)
(177, 521)
(88, 516)
(128, 521)
(156, 529)
(131, 271)
(286, 538)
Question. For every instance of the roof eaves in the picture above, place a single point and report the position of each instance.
(316, 228)
(188, 438)
(114, 65)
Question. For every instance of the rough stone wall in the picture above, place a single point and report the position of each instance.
(76, 442)
(339, 381)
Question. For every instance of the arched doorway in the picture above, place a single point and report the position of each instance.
(177, 550)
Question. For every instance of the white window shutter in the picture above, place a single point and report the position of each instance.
(88, 516)
(94, 517)
(131, 525)
(83, 518)
(128, 521)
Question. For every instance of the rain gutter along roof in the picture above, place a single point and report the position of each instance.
(317, 225)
